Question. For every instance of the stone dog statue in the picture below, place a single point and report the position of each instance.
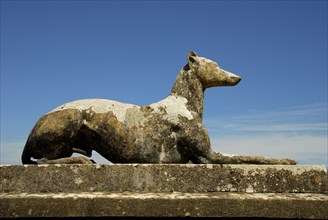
(169, 131)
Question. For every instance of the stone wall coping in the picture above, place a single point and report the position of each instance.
(164, 190)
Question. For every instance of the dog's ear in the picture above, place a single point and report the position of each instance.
(191, 56)
(192, 59)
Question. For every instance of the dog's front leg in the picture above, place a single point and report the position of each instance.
(236, 159)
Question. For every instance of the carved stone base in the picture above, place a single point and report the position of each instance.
(146, 190)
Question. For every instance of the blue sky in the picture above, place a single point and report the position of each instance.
(53, 52)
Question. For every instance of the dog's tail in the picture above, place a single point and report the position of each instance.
(26, 155)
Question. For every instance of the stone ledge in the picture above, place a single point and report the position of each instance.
(152, 178)
(175, 190)
(266, 205)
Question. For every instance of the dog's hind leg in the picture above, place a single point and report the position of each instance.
(66, 160)
(83, 152)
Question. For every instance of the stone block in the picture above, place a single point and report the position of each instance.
(165, 178)
(172, 190)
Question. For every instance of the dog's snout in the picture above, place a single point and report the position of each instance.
(237, 79)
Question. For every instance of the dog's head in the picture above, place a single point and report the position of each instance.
(209, 72)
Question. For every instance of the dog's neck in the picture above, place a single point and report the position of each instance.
(188, 85)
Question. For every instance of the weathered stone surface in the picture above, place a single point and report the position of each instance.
(148, 190)
(268, 205)
(147, 178)
(169, 131)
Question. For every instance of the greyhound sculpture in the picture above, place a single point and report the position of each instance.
(169, 131)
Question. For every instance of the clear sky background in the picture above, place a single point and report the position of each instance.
(53, 52)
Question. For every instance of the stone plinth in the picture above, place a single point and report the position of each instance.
(146, 190)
